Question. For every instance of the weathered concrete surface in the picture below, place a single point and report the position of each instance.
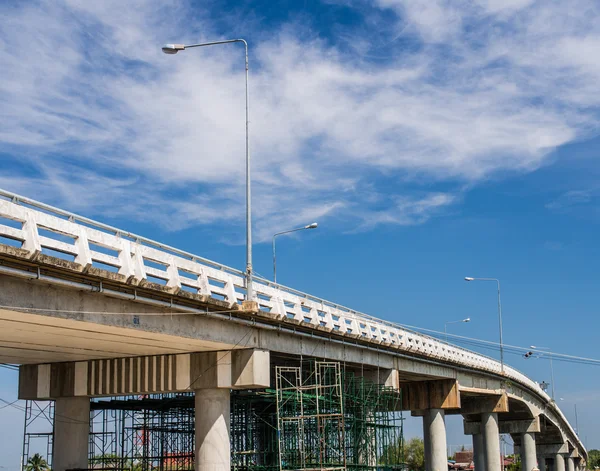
(478, 451)
(437, 394)
(491, 441)
(434, 433)
(71, 433)
(213, 451)
(528, 452)
(243, 369)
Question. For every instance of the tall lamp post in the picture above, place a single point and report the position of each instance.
(546, 349)
(468, 319)
(314, 225)
(576, 419)
(469, 278)
(174, 49)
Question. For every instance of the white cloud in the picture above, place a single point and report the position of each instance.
(571, 198)
(110, 125)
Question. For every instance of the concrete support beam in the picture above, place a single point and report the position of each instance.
(559, 462)
(506, 426)
(478, 451)
(554, 449)
(434, 433)
(541, 463)
(424, 395)
(570, 464)
(385, 376)
(491, 441)
(481, 404)
(213, 450)
(71, 433)
(528, 452)
(242, 369)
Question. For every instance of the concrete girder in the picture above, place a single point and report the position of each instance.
(424, 395)
(508, 426)
(479, 404)
(237, 369)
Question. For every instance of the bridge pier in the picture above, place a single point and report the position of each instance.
(570, 464)
(541, 463)
(559, 462)
(213, 450)
(434, 437)
(491, 441)
(71, 433)
(528, 452)
(478, 451)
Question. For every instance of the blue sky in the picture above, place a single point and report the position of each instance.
(430, 139)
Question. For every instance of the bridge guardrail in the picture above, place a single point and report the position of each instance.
(38, 228)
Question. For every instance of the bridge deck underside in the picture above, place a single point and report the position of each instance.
(32, 338)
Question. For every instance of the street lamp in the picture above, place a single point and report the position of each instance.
(174, 49)
(468, 319)
(576, 419)
(469, 278)
(314, 225)
(546, 349)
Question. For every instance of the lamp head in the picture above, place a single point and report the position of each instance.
(468, 278)
(311, 226)
(172, 48)
(468, 319)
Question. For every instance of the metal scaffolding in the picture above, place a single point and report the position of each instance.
(330, 419)
(319, 416)
(38, 432)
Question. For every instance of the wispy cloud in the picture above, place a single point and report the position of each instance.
(110, 125)
(571, 198)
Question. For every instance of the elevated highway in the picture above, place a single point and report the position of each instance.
(89, 310)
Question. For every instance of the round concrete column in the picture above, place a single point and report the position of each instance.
(213, 449)
(528, 452)
(559, 463)
(71, 433)
(434, 433)
(541, 463)
(570, 464)
(478, 452)
(491, 441)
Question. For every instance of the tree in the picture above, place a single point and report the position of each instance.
(414, 453)
(37, 463)
(594, 459)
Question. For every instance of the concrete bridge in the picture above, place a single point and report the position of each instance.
(88, 310)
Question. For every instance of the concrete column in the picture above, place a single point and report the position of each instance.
(478, 452)
(541, 463)
(213, 450)
(528, 452)
(570, 464)
(434, 433)
(559, 463)
(491, 441)
(71, 433)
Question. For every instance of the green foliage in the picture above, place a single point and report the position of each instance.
(37, 463)
(516, 466)
(393, 455)
(414, 453)
(593, 459)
